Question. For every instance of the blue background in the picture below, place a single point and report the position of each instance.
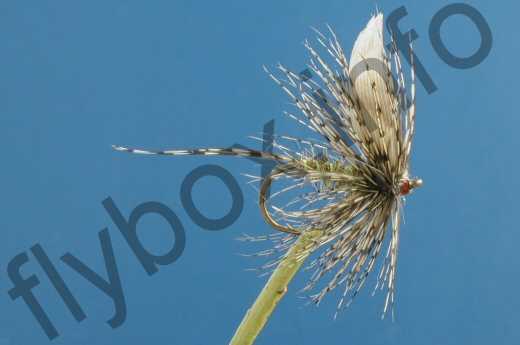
(76, 77)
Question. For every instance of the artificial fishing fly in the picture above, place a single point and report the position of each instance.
(359, 171)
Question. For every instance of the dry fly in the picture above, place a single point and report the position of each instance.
(357, 174)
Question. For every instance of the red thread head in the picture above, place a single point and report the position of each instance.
(405, 187)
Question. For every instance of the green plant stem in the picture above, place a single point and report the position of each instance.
(276, 287)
